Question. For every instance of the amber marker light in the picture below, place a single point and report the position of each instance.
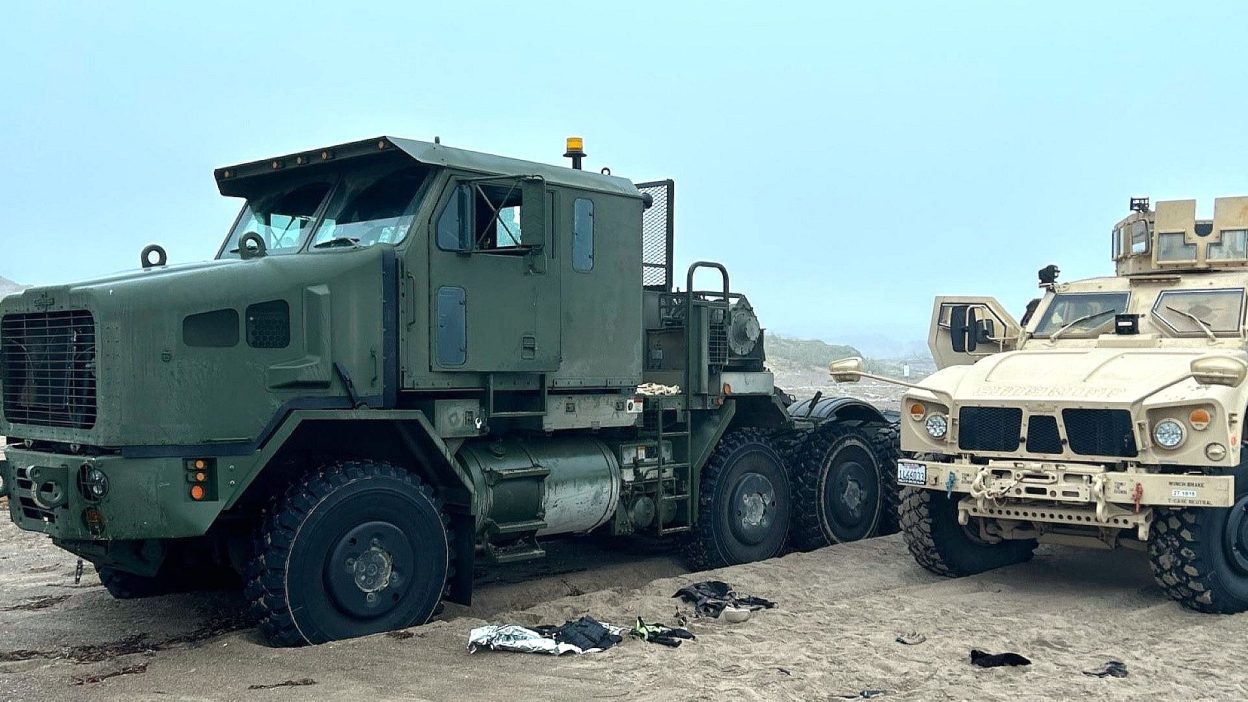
(1199, 419)
(197, 492)
(200, 464)
(917, 410)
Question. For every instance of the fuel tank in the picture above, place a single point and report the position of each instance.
(544, 485)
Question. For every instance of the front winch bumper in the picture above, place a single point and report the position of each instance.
(1066, 493)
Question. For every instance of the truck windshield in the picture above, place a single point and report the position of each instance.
(1196, 312)
(283, 219)
(1081, 314)
(372, 208)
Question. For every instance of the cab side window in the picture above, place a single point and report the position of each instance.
(583, 235)
(481, 218)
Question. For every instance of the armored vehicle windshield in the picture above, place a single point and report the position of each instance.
(357, 208)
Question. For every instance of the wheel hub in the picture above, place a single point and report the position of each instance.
(848, 496)
(372, 570)
(754, 504)
(366, 574)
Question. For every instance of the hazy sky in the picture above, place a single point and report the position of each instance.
(846, 163)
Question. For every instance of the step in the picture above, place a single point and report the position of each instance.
(525, 551)
(527, 526)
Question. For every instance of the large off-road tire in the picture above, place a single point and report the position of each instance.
(841, 475)
(351, 549)
(886, 439)
(744, 502)
(929, 523)
(1199, 556)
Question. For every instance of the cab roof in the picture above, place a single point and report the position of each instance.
(242, 179)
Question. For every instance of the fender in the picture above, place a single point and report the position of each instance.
(839, 409)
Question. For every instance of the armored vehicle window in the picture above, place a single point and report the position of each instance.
(372, 209)
(583, 234)
(1219, 311)
(1234, 245)
(1084, 313)
(1171, 247)
(1139, 237)
(282, 219)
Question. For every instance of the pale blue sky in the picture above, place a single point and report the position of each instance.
(846, 163)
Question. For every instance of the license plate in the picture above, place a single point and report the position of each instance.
(911, 473)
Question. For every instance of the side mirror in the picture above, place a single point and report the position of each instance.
(533, 212)
(984, 330)
(847, 370)
(960, 319)
(1219, 370)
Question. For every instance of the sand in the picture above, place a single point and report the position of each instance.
(832, 636)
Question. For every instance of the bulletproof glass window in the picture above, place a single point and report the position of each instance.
(282, 219)
(583, 235)
(1084, 313)
(1233, 246)
(1172, 247)
(1116, 243)
(372, 209)
(1219, 311)
(1139, 237)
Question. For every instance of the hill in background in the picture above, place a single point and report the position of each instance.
(7, 286)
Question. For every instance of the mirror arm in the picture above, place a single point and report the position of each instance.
(940, 394)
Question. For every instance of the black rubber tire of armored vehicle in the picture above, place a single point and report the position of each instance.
(929, 523)
(744, 502)
(351, 549)
(841, 477)
(1199, 556)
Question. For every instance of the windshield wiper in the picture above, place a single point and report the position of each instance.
(1084, 318)
(1204, 326)
(337, 241)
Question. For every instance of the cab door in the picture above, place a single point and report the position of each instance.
(966, 329)
(493, 290)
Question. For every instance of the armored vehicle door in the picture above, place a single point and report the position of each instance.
(493, 289)
(965, 329)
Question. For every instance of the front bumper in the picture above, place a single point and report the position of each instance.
(146, 499)
(1065, 493)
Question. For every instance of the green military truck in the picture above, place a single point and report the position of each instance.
(1111, 416)
(407, 361)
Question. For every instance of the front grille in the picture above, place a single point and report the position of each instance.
(1100, 432)
(47, 364)
(989, 428)
(1042, 436)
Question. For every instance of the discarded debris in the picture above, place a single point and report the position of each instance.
(1110, 669)
(301, 682)
(911, 638)
(100, 677)
(710, 597)
(584, 635)
(984, 659)
(660, 633)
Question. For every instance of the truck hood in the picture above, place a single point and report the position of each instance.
(1117, 376)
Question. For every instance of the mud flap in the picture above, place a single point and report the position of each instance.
(463, 558)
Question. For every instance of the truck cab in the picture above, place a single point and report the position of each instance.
(405, 360)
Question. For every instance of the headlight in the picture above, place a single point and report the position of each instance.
(93, 482)
(1168, 433)
(937, 426)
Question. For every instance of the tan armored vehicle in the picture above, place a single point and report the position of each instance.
(1112, 415)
